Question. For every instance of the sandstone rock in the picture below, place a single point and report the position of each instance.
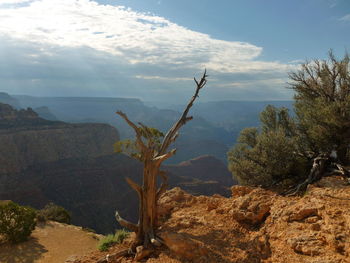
(252, 207)
(212, 204)
(304, 211)
(307, 245)
(317, 233)
(239, 190)
(173, 199)
(312, 219)
(184, 246)
(316, 227)
(260, 246)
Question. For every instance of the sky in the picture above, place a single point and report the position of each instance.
(152, 49)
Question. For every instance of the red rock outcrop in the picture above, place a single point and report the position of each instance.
(314, 228)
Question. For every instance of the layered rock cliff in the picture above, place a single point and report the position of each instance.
(26, 139)
(73, 165)
(93, 188)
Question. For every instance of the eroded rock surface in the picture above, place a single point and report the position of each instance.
(314, 228)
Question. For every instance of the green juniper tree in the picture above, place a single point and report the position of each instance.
(322, 105)
(318, 137)
(270, 155)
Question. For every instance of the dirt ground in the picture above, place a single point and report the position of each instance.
(50, 243)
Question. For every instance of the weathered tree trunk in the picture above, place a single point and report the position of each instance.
(148, 204)
(317, 170)
(322, 166)
(149, 193)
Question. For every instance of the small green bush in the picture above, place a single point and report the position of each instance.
(120, 235)
(16, 222)
(111, 239)
(55, 213)
(106, 242)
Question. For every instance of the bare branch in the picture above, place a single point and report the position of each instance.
(168, 139)
(136, 129)
(164, 184)
(126, 223)
(131, 124)
(175, 137)
(188, 119)
(134, 186)
(163, 157)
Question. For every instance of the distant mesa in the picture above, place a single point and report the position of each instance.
(199, 137)
(26, 139)
(45, 113)
(8, 113)
(205, 168)
(7, 99)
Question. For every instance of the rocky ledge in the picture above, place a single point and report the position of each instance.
(253, 226)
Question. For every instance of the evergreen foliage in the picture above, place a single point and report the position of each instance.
(266, 157)
(322, 105)
(55, 213)
(284, 146)
(16, 222)
(151, 135)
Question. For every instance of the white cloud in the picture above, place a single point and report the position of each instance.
(254, 83)
(152, 77)
(297, 61)
(10, 2)
(137, 37)
(332, 3)
(345, 18)
(75, 47)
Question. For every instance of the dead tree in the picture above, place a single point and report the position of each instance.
(148, 192)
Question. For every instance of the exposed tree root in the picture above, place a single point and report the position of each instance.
(322, 166)
(114, 256)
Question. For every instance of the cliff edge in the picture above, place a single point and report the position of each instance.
(253, 226)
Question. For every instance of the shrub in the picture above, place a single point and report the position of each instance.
(268, 156)
(120, 235)
(111, 239)
(55, 213)
(106, 242)
(16, 222)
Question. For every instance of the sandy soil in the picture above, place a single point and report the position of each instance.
(50, 243)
